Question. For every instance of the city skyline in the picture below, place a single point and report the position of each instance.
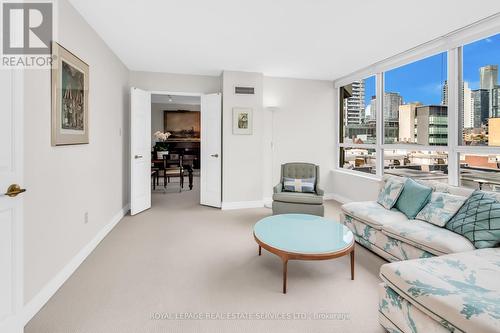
(422, 81)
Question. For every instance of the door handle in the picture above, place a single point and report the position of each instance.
(215, 155)
(13, 190)
(137, 156)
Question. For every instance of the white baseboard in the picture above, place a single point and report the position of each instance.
(336, 197)
(33, 306)
(242, 204)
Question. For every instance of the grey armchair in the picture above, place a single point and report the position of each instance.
(294, 202)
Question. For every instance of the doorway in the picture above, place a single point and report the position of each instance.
(176, 142)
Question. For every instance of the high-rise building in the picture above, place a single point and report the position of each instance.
(432, 125)
(495, 102)
(444, 93)
(369, 115)
(407, 114)
(467, 119)
(468, 106)
(494, 132)
(488, 77)
(392, 101)
(354, 106)
(481, 107)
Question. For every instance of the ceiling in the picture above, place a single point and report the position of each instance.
(175, 99)
(315, 39)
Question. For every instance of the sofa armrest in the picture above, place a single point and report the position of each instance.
(319, 191)
(278, 188)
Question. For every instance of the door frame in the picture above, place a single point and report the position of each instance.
(193, 94)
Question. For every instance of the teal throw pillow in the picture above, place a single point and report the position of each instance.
(413, 198)
(478, 220)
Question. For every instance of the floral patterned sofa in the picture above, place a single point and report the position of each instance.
(453, 293)
(388, 233)
(450, 287)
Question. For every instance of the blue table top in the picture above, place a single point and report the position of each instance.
(305, 234)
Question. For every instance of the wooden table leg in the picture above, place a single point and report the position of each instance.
(352, 264)
(285, 267)
(260, 250)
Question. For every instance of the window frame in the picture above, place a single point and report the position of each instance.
(451, 44)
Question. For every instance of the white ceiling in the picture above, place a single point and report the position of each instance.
(176, 99)
(317, 39)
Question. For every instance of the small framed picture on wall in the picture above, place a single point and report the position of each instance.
(70, 98)
(242, 121)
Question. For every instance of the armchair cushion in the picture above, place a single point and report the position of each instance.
(296, 197)
(304, 185)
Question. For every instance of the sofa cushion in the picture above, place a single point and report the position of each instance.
(390, 191)
(461, 289)
(413, 198)
(373, 213)
(296, 197)
(302, 185)
(441, 208)
(478, 220)
(429, 237)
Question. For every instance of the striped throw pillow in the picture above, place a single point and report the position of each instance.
(299, 185)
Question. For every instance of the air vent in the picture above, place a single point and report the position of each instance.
(244, 90)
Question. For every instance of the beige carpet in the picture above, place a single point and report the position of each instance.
(182, 259)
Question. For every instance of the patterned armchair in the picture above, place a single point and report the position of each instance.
(297, 202)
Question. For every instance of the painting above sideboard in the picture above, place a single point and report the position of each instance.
(182, 124)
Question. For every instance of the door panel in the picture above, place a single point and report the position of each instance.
(211, 150)
(11, 208)
(140, 152)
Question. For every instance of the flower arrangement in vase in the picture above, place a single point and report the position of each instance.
(161, 149)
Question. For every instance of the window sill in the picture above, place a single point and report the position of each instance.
(357, 174)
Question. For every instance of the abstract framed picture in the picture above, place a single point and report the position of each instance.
(242, 120)
(70, 98)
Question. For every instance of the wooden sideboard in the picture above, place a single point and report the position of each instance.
(189, 148)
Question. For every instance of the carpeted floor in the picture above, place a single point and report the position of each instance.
(157, 271)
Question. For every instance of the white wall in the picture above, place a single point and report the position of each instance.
(349, 187)
(175, 82)
(66, 181)
(242, 156)
(157, 113)
(303, 127)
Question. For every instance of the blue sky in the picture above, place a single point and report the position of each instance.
(422, 81)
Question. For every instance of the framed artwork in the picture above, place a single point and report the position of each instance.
(242, 120)
(70, 98)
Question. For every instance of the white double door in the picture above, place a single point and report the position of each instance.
(140, 150)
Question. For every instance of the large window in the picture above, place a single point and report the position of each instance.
(357, 103)
(418, 108)
(479, 114)
(415, 103)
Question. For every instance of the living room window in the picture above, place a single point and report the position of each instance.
(479, 114)
(439, 114)
(415, 103)
(358, 104)
(358, 125)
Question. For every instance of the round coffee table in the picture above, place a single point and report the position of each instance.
(303, 237)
